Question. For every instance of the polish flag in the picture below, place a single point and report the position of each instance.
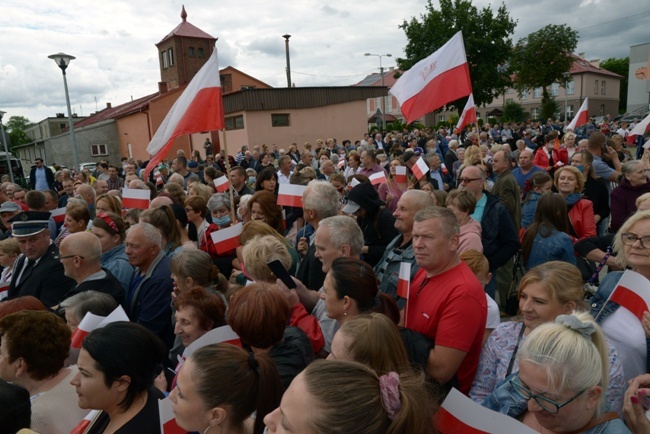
(341, 163)
(223, 334)
(582, 117)
(420, 168)
(460, 415)
(640, 129)
(92, 322)
(221, 183)
(4, 290)
(633, 293)
(404, 282)
(377, 178)
(400, 174)
(291, 195)
(132, 198)
(158, 176)
(199, 109)
(227, 239)
(353, 183)
(441, 78)
(444, 169)
(469, 114)
(168, 423)
(82, 427)
(58, 215)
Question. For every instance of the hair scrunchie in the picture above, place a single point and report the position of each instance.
(586, 329)
(389, 386)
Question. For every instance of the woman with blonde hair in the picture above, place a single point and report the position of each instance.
(256, 228)
(545, 292)
(9, 252)
(570, 183)
(562, 381)
(201, 190)
(569, 143)
(108, 204)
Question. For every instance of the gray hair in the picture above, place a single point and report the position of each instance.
(629, 166)
(321, 197)
(151, 233)
(449, 222)
(218, 200)
(95, 302)
(344, 230)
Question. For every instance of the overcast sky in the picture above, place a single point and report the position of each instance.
(116, 58)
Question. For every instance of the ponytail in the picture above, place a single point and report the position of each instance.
(269, 387)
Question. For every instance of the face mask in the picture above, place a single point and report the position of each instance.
(580, 168)
(251, 180)
(221, 221)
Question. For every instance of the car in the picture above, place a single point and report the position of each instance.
(90, 166)
(631, 117)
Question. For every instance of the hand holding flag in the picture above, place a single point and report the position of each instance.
(633, 293)
(420, 168)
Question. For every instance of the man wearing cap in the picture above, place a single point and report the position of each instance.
(38, 270)
(41, 177)
(7, 211)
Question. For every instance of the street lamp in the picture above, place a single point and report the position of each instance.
(286, 48)
(62, 61)
(4, 140)
(383, 98)
(566, 76)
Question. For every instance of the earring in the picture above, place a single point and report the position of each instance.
(345, 314)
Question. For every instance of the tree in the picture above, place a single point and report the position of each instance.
(620, 67)
(487, 43)
(541, 58)
(16, 126)
(549, 109)
(513, 112)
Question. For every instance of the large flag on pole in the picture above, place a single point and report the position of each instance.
(582, 117)
(639, 129)
(469, 114)
(435, 81)
(198, 109)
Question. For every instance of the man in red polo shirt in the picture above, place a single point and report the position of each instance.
(446, 301)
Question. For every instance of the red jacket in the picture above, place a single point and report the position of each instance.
(581, 218)
(559, 155)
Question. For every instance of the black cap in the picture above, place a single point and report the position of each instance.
(29, 223)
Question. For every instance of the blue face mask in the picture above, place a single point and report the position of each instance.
(580, 168)
(251, 180)
(221, 221)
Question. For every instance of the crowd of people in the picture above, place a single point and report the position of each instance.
(419, 261)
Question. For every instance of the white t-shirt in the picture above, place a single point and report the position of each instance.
(493, 316)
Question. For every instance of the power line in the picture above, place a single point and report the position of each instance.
(328, 76)
(640, 14)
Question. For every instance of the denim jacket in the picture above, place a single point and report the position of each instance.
(506, 400)
(556, 247)
(117, 263)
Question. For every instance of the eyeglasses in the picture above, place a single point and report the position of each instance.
(546, 404)
(630, 239)
(59, 257)
(468, 180)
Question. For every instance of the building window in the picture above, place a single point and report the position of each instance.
(571, 87)
(596, 87)
(190, 51)
(98, 150)
(524, 95)
(280, 120)
(603, 87)
(602, 109)
(171, 57)
(164, 59)
(510, 90)
(534, 113)
(368, 107)
(200, 52)
(441, 118)
(537, 93)
(62, 126)
(247, 87)
(569, 111)
(235, 122)
(389, 104)
(555, 89)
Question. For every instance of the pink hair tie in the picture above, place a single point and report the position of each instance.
(389, 386)
(109, 221)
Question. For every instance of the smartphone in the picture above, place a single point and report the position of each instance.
(281, 273)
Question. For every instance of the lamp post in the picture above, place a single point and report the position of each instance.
(62, 61)
(383, 98)
(566, 76)
(286, 48)
(4, 141)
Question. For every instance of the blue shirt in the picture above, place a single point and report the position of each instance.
(480, 207)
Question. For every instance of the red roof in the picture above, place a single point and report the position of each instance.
(581, 66)
(187, 30)
(116, 112)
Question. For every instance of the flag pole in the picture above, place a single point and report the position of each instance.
(233, 213)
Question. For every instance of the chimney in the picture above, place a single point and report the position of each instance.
(162, 87)
(595, 62)
(109, 105)
(581, 55)
(391, 68)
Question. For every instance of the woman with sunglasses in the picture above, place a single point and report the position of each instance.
(562, 380)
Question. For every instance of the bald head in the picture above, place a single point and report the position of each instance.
(472, 179)
(526, 161)
(160, 201)
(87, 193)
(83, 244)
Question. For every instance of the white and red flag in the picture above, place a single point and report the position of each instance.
(227, 239)
(4, 290)
(198, 109)
(468, 116)
(633, 293)
(92, 322)
(353, 183)
(639, 129)
(444, 169)
(404, 282)
(133, 198)
(291, 195)
(420, 168)
(82, 427)
(377, 178)
(341, 163)
(460, 415)
(400, 174)
(582, 117)
(221, 184)
(58, 215)
(431, 83)
(168, 423)
(158, 177)
(223, 334)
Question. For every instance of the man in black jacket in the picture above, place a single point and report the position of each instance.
(41, 177)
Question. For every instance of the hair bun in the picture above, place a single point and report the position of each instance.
(586, 329)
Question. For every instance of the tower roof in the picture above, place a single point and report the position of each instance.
(187, 30)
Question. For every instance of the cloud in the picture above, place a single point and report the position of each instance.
(326, 9)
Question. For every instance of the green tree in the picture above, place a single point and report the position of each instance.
(620, 67)
(513, 112)
(16, 126)
(487, 36)
(541, 58)
(549, 109)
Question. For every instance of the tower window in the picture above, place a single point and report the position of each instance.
(164, 59)
(200, 52)
(171, 57)
(191, 52)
